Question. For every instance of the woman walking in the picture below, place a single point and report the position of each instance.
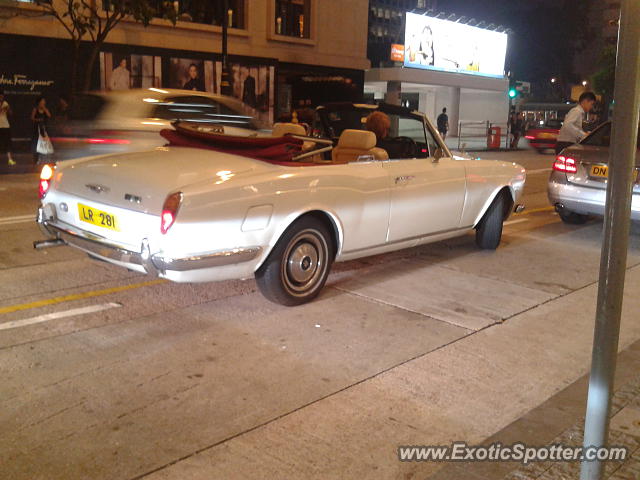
(39, 116)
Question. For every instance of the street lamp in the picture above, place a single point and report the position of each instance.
(553, 80)
(584, 83)
(225, 85)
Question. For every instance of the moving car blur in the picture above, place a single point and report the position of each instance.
(131, 120)
(543, 137)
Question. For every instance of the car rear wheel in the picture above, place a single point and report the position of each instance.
(572, 218)
(489, 229)
(298, 266)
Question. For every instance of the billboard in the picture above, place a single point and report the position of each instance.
(438, 44)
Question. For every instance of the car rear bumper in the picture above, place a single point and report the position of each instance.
(582, 199)
(143, 261)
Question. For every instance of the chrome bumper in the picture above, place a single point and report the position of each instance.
(153, 264)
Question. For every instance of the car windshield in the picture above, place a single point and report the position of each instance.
(407, 135)
(553, 123)
(204, 109)
(601, 136)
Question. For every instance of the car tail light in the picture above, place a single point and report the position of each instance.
(565, 164)
(108, 141)
(170, 211)
(46, 174)
(93, 141)
(529, 137)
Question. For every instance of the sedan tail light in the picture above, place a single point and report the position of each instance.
(46, 174)
(565, 164)
(170, 211)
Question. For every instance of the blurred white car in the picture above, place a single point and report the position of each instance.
(131, 120)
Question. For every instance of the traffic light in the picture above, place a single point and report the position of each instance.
(512, 93)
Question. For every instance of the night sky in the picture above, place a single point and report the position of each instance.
(541, 44)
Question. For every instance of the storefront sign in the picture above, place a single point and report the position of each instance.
(438, 44)
(397, 52)
(23, 82)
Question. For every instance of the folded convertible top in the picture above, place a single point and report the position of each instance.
(279, 150)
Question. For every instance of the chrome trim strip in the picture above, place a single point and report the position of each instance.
(217, 259)
(153, 264)
(417, 237)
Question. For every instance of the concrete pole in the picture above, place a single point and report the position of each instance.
(616, 235)
(393, 93)
(454, 111)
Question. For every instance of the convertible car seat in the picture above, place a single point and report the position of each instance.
(281, 129)
(357, 145)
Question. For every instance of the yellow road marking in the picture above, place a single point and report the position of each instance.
(77, 296)
(536, 210)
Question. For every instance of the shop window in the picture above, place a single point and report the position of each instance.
(212, 12)
(293, 18)
(207, 12)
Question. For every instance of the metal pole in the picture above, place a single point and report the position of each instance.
(225, 85)
(616, 236)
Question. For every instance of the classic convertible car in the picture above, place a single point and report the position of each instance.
(282, 209)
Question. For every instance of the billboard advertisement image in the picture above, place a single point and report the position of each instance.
(437, 44)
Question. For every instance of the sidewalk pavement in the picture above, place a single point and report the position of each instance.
(24, 164)
(564, 413)
(493, 380)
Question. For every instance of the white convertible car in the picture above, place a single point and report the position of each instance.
(282, 209)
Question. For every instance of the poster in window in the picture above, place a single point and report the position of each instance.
(192, 74)
(254, 86)
(125, 71)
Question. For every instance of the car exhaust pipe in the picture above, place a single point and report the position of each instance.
(559, 207)
(519, 208)
(52, 242)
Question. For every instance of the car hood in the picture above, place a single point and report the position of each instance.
(141, 181)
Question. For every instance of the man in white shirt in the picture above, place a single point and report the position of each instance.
(5, 128)
(571, 131)
(121, 77)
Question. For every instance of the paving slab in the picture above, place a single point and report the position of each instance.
(627, 421)
(460, 298)
(129, 398)
(467, 390)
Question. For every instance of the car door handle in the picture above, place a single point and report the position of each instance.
(404, 178)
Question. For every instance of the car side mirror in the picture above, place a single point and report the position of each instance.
(438, 154)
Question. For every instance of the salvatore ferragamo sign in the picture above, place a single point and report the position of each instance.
(19, 80)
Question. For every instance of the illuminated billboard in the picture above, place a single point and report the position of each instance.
(438, 44)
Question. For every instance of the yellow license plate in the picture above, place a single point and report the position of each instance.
(97, 217)
(599, 171)
(547, 135)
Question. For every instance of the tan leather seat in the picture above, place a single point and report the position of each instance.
(281, 129)
(357, 145)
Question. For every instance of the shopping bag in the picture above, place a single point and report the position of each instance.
(44, 147)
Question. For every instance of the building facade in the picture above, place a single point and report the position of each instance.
(295, 52)
(468, 98)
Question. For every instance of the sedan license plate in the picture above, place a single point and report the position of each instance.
(599, 171)
(547, 135)
(97, 217)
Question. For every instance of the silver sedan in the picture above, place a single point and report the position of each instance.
(578, 181)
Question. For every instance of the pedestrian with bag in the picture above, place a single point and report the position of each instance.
(5, 128)
(41, 144)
